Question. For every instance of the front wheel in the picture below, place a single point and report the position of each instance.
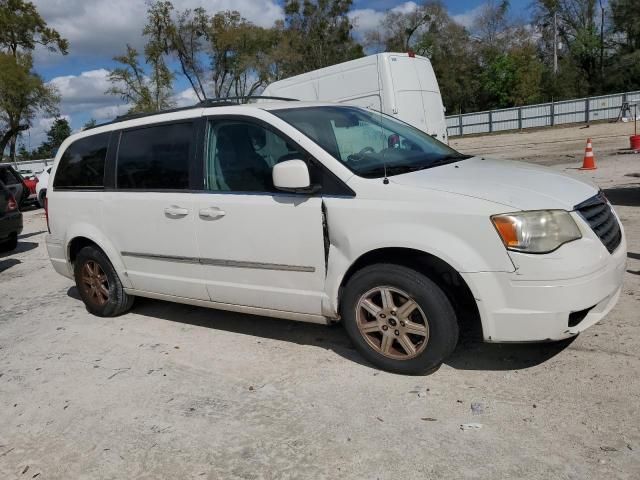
(399, 319)
(99, 285)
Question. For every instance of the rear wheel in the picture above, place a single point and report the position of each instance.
(41, 197)
(99, 285)
(10, 244)
(399, 319)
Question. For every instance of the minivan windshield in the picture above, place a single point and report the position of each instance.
(369, 143)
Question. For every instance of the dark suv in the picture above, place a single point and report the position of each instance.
(15, 183)
(10, 220)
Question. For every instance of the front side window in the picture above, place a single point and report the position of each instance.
(82, 163)
(370, 144)
(241, 155)
(155, 158)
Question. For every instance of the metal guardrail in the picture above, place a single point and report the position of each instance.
(581, 110)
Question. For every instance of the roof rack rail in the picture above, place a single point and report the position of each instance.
(214, 102)
(209, 102)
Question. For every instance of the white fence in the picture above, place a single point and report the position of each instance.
(581, 110)
(35, 166)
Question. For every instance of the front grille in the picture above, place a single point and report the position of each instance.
(598, 214)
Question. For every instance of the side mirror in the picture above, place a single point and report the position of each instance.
(292, 176)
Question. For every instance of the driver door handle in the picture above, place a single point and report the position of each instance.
(175, 211)
(212, 213)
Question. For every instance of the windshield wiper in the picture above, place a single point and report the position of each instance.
(449, 159)
(380, 170)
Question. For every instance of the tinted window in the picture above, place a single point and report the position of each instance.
(241, 156)
(155, 158)
(8, 177)
(82, 164)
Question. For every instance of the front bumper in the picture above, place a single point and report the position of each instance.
(514, 309)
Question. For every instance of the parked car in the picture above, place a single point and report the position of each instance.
(10, 220)
(325, 213)
(41, 187)
(31, 183)
(403, 85)
(15, 183)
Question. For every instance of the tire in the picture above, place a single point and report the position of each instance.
(99, 285)
(41, 197)
(430, 326)
(10, 244)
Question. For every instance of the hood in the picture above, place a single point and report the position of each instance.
(521, 186)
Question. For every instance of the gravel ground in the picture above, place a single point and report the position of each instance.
(172, 391)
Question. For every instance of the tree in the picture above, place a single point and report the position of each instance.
(578, 31)
(24, 93)
(22, 29)
(320, 32)
(399, 31)
(146, 93)
(131, 83)
(220, 55)
(57, 133)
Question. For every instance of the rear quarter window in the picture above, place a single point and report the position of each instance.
(82, 163)
(8, 177)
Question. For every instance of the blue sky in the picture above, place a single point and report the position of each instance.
(99, 29)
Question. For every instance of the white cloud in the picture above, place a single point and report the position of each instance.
(185, 98)
(367, 19)
(109, 112)
(103, 27)
(466, 19)
(85, 93)
(81, 92)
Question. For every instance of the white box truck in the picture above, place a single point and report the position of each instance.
(399, 84)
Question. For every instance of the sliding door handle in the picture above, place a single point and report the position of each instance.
(175, 211)
(212, 213)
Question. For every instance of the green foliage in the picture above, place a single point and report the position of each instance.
(22, 29)
(147, 92)
(57, 133)
(319, 34)
(496, 62)
(22, 92)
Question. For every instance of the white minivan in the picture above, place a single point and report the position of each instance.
(402, 85)
(325, 213)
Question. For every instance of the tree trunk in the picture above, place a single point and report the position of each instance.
(8, 135)
(12, 148)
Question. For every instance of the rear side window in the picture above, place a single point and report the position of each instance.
(155, 158)
(82, 163)
(8, 177)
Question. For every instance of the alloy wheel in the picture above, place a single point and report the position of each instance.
(95, 283)
(392, 323)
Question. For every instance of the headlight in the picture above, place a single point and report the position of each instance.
(541, 231)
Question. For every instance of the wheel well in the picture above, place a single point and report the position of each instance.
(78, 244)
(438, 271)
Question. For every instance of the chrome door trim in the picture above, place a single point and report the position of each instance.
(168, 258)
(223, 263)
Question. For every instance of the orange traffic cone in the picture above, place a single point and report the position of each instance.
(589, 160)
